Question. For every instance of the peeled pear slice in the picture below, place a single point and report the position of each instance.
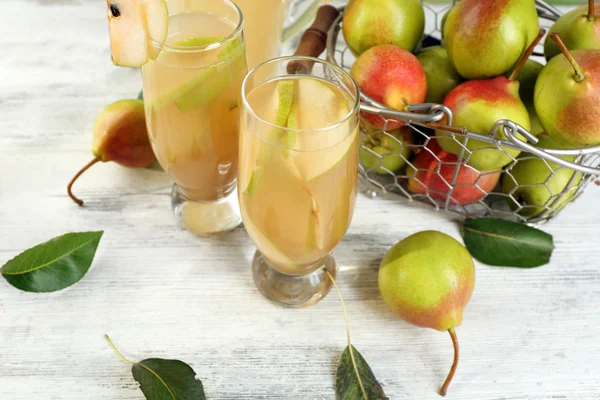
(133, 25)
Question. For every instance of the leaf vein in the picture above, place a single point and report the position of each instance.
(57, 259)
(159, 378)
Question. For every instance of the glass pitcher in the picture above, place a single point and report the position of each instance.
(269, 23)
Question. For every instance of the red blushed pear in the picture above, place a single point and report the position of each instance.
(120, 135)
(486, 38)
(567, 97)
(434, 171)
(392, 76)
(427, 280)
(477, 106)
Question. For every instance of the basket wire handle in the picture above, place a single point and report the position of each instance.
(314, 40)
(511, 130)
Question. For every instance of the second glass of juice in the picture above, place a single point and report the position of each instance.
(298, 173)
(192, 102)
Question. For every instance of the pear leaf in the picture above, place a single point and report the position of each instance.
(347, 385)
(53, 265)
(141, 95)
(162, 379)
(506, 243)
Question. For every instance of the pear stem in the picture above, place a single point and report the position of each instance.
(362, 388)
(70, 185)
(117, 352)
(579, 75)
(591, 10)
(444, 388)
(526, 55)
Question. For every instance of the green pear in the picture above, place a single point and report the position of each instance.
(368, 23)
(487, 38)
(567, 97)
(393, 150)
(440, 73)
(477, 105)
(579, 29)
(427, 280)
(537, 184)
(527, 78)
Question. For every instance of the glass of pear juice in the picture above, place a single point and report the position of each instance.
(192, 103)
(298, 173)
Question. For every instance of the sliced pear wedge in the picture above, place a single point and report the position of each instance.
(317, 106)
(199, 41)
(205, 86)
(133, 25)
(203, 90)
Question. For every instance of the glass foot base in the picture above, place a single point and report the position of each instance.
(206, 218)
(289, 290)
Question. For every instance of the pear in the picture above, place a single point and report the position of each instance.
(392, 147)
(440, 73)
(486, 38)
(527, 78)
(477, 105)
(133, 26)
(537, 184)
(368, 23)
(579, 29)
(427, 280)
(567, 97)
(444, 20)
(120, 135)
(392, 76)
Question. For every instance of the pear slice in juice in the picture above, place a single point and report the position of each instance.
(233, 63)
(209, 82)
(316, 151)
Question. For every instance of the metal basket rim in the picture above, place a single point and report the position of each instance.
(436, 112)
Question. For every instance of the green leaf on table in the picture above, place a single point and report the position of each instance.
(506, 243)
(167, 379)
(347, 385)
(53, 265)
(162, 379)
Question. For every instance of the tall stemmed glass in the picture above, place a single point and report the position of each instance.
(192, 102)
(298, 172)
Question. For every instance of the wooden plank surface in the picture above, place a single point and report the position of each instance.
(161, 292)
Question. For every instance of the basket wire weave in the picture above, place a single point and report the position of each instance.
(377, 180)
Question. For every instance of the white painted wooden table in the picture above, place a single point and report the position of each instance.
(161, 292)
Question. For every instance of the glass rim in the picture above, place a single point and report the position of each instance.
(353, 110)
(209, 47)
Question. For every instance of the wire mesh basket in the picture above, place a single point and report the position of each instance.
(445, 181)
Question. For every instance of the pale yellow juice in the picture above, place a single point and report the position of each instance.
(263, 25)
(297, 186)
(192, 96)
